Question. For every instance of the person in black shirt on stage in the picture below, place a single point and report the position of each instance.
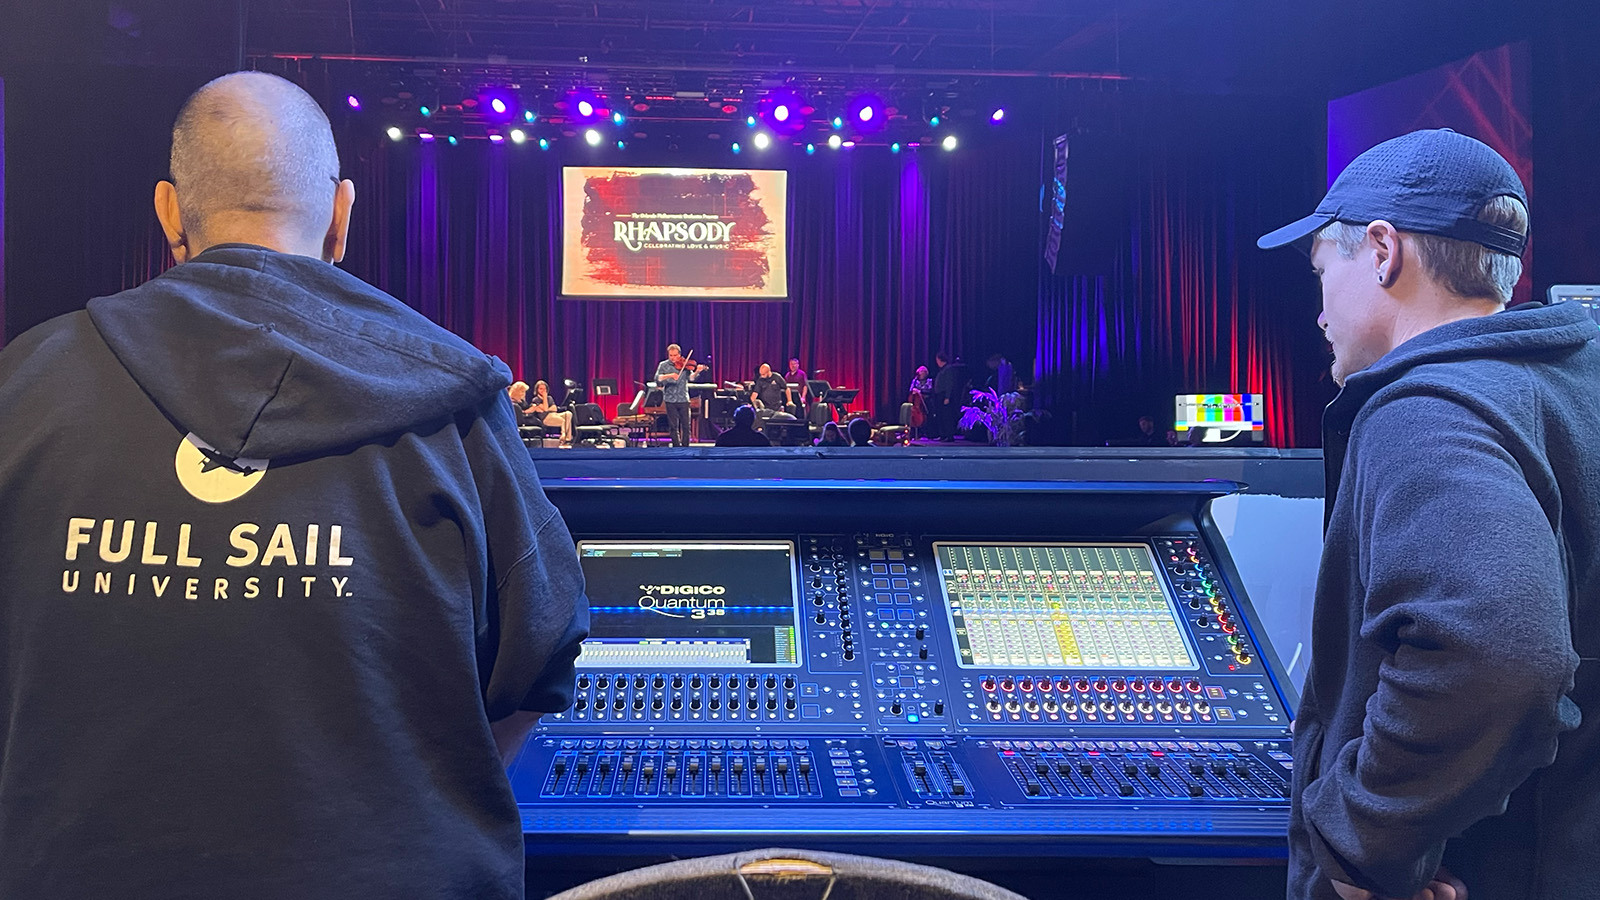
(770, 391)
(949, 392)
(743, 433)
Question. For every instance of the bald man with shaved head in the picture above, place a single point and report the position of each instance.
(279, 603)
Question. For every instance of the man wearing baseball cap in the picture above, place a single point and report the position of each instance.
(1447, 739)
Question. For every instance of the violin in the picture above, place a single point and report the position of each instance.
(686, 363)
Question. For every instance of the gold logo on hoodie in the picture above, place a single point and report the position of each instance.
(212, 477)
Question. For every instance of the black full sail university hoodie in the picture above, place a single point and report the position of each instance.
(1452, 709)
(272, 558)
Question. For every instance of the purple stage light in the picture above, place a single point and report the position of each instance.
(868, 113)
(495, 138)
(497, 104)
(585, 107)
(998, 115)
(425, 137)
(353, 100)
(783, 111)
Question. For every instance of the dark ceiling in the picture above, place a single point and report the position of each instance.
(917, 53)
(1220, 46)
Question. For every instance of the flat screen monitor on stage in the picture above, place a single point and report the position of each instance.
(1221, 413)
(674, 234)
(690, 603)
(1585, 295)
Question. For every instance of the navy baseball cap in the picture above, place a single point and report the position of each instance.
(1428, 182)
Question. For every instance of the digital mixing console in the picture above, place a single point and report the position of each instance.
(839, 688)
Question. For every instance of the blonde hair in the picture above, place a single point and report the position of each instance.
(1464, 268)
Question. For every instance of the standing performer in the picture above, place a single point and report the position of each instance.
(799, 390)
(673, 374)
(769, 390)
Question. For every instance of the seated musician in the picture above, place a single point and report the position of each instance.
(770, 391)
(518, 392)
(743, 433)
(544, 409)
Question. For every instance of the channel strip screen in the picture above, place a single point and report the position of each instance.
(690, 604)
(1071, 606)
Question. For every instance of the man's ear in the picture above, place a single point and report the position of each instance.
(1388, 253)
(333, 243)
(166, 202)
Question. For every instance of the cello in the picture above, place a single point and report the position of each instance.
(919, 410)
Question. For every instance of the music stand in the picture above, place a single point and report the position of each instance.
(703, 391)
(605, 387)
(839, 398)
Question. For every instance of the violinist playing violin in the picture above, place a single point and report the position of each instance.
(673, 375)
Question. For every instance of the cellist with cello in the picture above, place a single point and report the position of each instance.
(921, 390)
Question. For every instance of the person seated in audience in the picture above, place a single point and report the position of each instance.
(544, 409)
(860, 433)
(832, 436)
(743, 433)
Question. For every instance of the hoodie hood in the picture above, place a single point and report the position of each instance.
(1527, 331)
(264, 354)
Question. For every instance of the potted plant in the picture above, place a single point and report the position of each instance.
(1000, 414)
